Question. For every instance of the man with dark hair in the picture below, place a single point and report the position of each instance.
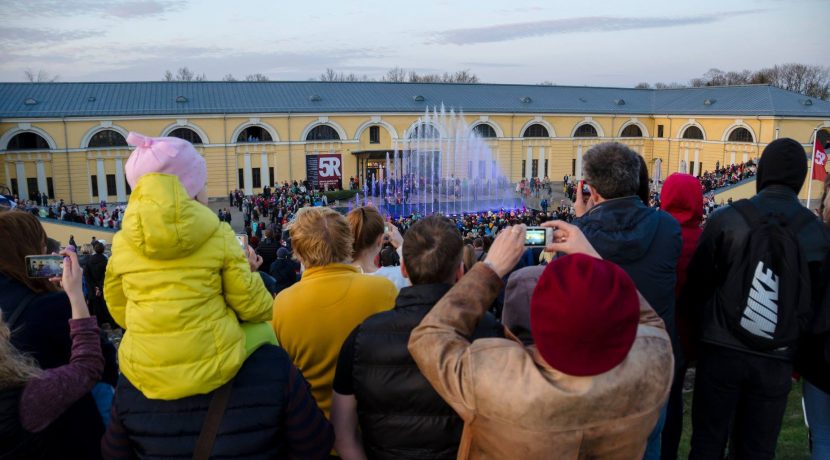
(383, 408)
(736, 380)
(267, 249)
(643, 241)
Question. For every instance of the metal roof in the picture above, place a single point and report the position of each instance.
(103, 99)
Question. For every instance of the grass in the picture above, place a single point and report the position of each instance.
(792, 442)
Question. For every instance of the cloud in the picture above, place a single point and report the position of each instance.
(116, 8)
(31, 36)
(505, 65)
(514, 31)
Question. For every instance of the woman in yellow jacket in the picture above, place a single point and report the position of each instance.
(178, 281)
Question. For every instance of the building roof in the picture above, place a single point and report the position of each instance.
(103, 99)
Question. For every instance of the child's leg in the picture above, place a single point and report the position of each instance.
(256, 335)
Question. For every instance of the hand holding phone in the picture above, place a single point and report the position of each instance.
(242, 238)
(44, 266)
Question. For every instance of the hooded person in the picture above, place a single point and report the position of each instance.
(177, 280)
(736, 380)
(682, 198)
(591, 386)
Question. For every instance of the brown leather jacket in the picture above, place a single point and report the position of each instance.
(515, 406)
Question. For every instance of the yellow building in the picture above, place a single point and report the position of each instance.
(68, 139)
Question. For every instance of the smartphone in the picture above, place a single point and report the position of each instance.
(538, 237)
(585, 189)
(243, 241)
(44, 266)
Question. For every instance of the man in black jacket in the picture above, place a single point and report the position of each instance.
(377, 384)
(643, 241)
(733, 380)
(94, 272)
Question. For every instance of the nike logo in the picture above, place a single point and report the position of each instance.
(761, 314)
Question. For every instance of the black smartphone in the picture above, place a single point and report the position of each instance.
(50, 266)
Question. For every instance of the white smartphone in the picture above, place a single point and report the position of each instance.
(538, 237)
(243, 241)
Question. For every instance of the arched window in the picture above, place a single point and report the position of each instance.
(693, 132)
(187, 134)
(740, 135)
(536, 130)
(484, 130)
(424, 131)
(632, 131)
(107, 138)
(27, 141)
(323, 133)
(254, 134)
(586, 130)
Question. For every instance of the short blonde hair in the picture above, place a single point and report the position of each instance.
(321, 236)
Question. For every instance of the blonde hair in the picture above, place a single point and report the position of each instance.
(367, 225)
(469, 257)
(86, 249)
(15, 368)
(321, 236)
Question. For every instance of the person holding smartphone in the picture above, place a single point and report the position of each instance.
(53, 359)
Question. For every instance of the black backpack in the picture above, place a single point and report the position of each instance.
(774, 281)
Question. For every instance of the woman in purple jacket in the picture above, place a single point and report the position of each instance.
(32, 398)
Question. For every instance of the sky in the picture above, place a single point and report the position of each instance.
(588, 42)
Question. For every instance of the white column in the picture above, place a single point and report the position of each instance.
(541, 171)
(8, 175)
(579, 162)
(686, 159)
(41, 178)
(247, 175)
(102, 180)
(696, 169)
(22, 187)
(732, 157)
(263, 174)
(528, 162)
(746, 156)
(120, 184)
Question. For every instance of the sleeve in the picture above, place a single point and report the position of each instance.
(307, 432)
(114, 294)
(46, 397)
(244, 291)
(343, 375)
(439, 345)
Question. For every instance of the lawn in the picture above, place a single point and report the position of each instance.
(792, 443)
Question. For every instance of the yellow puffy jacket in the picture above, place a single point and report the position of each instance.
(179, 283)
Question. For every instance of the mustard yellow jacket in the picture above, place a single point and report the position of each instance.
(179, 283)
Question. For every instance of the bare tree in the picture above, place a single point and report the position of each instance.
(229, 77)
(39, 77)
(332, 75)
(395, 75)
(183, 74)
(643, 85)
(546, 83)
(256, 77)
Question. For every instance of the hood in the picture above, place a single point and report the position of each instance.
(682, 197)
(163, 222)
(621, 229)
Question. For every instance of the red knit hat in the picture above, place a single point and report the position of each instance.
(584, 314)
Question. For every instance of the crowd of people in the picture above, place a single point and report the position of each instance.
(362, 336)
(726, 176)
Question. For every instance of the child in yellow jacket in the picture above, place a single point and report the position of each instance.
(178, 281)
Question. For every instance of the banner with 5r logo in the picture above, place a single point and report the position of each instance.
(325, 170)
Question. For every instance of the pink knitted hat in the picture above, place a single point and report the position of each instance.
(167, 155)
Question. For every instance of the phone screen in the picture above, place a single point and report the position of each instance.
(535, 237)
(243, 241)
(50, 266)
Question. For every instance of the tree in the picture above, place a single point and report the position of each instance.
(183, 74)
(256, 77)
(642, 85)
(546, 83)
(39, 77)
(229, 77)
(332, 75)
(395, 75)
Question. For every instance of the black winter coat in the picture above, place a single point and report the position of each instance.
(401, 416)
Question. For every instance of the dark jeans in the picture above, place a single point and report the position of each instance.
(673, 428)
(749, 389)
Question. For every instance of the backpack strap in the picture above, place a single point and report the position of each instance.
(210, 428)
(749, 212)
(11, 322)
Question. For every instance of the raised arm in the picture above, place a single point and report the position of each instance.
(244, 291)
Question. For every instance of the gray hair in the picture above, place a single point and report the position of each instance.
(612, 169)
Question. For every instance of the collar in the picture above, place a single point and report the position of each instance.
(421, 295)
(329, 270)
(613, 202)
(778, 190)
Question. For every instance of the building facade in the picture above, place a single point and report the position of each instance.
(68, 139)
